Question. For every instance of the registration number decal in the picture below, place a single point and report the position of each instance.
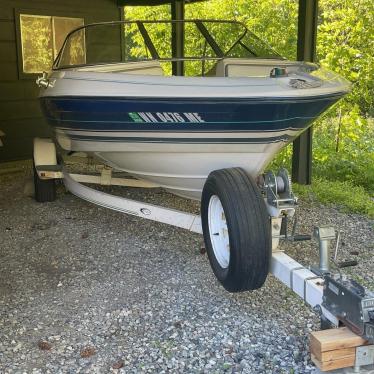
(166, 117)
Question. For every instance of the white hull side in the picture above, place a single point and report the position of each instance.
(184, 174)
(180, 168)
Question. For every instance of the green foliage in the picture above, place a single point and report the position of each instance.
(346, 195)
(345, 45)
(350, 159)
(354, 160)
(273, 20)
(160, 34)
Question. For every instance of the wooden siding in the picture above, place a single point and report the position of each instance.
(20, 115)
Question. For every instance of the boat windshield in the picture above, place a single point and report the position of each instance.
(205, 42)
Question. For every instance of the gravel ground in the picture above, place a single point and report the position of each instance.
(85, 289)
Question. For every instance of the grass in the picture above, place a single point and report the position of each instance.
(343, 172)
(343, 194)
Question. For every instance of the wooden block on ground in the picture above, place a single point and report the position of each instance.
(336, 354)
(344, 362)
(329, 340)
(334, 348)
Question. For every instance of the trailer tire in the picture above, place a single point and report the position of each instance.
(236, 229)
(45, 189)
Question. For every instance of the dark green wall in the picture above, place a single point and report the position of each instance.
(20, 116)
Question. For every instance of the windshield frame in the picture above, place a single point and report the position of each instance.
(199, 23)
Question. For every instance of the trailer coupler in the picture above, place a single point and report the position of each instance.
(351, 303)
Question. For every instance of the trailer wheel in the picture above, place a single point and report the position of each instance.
(45, 189)
(236, 229)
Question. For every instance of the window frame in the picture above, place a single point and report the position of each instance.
(38, 13)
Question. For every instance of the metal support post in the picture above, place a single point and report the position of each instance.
(306, 49)
(177, 41)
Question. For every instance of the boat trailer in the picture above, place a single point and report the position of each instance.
(338, 300)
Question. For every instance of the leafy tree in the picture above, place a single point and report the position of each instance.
(346, 45)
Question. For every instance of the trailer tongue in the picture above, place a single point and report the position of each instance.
(338, 299)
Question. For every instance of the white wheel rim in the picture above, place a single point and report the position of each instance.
(218, 232)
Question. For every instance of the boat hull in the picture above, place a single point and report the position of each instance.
(177, 142)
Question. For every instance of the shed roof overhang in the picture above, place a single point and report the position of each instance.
(152, 2)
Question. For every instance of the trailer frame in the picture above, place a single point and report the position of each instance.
(307, 283)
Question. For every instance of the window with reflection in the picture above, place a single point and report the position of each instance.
(42, 38)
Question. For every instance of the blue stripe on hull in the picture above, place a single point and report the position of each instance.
(116, 114)
(270, 139)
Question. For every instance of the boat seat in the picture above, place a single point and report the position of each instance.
(139, 67)
(229, 67)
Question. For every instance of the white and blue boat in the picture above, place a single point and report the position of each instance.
(175, 130)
